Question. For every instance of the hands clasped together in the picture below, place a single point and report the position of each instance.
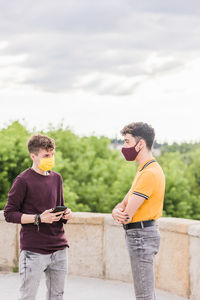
(48, 217)
(120, 216)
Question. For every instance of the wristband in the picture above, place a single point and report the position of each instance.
(37, 221)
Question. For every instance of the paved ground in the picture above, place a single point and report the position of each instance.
(79, 288)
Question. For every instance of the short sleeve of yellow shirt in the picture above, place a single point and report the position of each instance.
(145, 185)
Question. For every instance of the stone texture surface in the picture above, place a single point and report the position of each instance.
(87, 218)
(178, 225)
(116, 259)
(194, 232)
(86, 248)
(98, 249)
(173, 260)
(8, 244)
(172, 263)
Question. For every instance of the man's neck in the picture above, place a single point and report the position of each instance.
(143, 157)
(38, 170)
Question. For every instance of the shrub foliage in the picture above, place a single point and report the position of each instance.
(96, 177)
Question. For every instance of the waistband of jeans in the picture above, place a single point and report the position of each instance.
(140, 224)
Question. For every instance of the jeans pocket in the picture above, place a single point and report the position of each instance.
(30, 254)
(133, 242)
(151, 244)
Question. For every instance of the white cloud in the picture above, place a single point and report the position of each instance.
(103, 63)
(66, 42)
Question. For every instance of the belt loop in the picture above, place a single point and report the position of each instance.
(142, 224)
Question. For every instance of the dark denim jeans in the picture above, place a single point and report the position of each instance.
(31, 267)
(143, 244)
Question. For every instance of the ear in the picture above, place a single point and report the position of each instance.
(141, 144)
(32, 156)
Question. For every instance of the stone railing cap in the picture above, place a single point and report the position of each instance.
(87, 218)
(176, 224)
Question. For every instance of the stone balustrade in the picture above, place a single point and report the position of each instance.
(97, 249)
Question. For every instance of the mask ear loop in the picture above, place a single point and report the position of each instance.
(136, 145)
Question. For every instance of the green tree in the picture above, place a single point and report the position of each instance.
(96, 177)
(180, 199)
(14, 157)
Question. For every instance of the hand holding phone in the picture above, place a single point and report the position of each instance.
(59, 209)
(53, 214)
(67, 214)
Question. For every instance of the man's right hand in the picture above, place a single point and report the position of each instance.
(120, 216)
(48, 217)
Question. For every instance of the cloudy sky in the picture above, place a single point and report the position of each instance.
(98, 65)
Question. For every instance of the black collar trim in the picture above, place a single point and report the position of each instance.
(148, 163)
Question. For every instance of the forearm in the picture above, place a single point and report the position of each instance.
(124, 202)
(26, 219)
(118, 213)
(133, 205)
(46, 217)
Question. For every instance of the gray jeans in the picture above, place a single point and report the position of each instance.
(143, 244)
(31, 267)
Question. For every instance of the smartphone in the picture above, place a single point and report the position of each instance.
(59, 209)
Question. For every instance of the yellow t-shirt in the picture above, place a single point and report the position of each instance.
(149, 183)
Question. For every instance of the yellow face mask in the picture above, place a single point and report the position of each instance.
(46, 164)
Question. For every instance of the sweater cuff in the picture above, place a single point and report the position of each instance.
(13, 217)
(17, 217)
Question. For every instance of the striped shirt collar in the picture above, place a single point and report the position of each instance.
(146, 163)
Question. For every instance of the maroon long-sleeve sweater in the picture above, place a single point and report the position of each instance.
(32, 193)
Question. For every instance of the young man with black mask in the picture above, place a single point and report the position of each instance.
(141, 207)
(32, 198)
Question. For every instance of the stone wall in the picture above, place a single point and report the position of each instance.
(97, 249)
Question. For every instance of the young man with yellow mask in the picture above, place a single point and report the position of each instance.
(141, 207)
(31, 200)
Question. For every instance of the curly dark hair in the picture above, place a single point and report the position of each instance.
(39, 141)
(140, 130)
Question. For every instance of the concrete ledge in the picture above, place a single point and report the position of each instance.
(176, 224)
(108, 220)
(85, 235)
(174, 257)
(9, 242)
(98, 249)
(194, 230)
(194, 233)
(87, 218)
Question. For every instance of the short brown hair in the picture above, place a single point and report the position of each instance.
(140, 130)
(39, 141)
